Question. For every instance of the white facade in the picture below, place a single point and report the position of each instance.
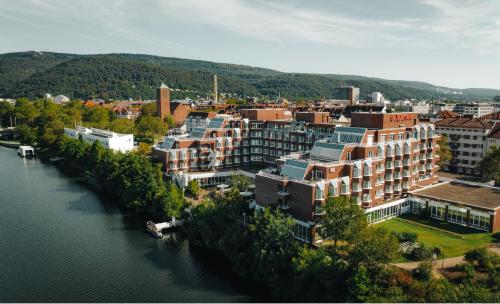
(420, 108)
(61, 99)
(492, 139)
(474, 109)
(377, 97)
(439, 107)
(467, 146)
(110, 140)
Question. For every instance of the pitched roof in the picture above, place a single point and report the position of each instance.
(495, 132)
(463, 122)
(447, 114)
(491, 116)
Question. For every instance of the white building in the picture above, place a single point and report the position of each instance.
(493, 138)
(466, 138)
(61, 99)
(377, 97)
(441, 106)
(474, 109)
(110, 140)
(420, 108)
(47, 96)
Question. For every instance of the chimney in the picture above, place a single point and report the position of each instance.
(214, 88)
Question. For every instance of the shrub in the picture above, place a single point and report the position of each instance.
(193, 188)
(483, 257)
(421, 253)
(405, 236)
(423, 271)
(496, 237)
(467, 269)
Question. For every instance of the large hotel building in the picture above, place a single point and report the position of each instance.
(379, 158)
(223, 142)
(386, 162)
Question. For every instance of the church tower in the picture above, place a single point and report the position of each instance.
(163, 101)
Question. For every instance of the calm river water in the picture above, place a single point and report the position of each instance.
(60, 242)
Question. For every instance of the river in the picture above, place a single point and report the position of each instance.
(60, 242)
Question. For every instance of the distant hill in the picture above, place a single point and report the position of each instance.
(118, 76)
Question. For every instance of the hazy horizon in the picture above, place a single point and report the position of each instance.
(446, 43)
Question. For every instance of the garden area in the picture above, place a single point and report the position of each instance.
(455, 240)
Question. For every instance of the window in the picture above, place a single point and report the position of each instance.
(479, 221)
(437, 212)
(332, 190)
(355, 186)
(348, 155)
(345, 186)
(457, 215)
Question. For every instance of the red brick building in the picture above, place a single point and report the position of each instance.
(380, 157)
(165, 107)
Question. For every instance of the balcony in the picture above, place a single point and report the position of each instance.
(284, 206)
(283, 193)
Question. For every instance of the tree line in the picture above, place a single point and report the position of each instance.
(352, 264)
(133, 179)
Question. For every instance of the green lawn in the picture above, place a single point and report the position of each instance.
(453, 246)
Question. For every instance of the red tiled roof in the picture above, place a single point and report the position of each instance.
(464, 122)
(495, 132)
(447, 114)
(491, 116)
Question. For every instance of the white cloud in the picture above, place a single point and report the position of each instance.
(467, 24)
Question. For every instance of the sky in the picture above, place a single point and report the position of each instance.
(454, 43)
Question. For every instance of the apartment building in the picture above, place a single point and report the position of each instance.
(475, 110)
(420, 108)
(110, 140)
(380, 157)
(466, 138)
(493, 137)
(441, 106)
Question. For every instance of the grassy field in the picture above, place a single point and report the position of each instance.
(453, 245)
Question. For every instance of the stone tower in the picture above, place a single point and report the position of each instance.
(163, 101)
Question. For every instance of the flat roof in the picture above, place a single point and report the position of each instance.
(465, 194)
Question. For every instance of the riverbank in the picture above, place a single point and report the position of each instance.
(62, 242)
(10, 144)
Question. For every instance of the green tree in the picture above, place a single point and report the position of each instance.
(122, 125)
(27, 135)
(173, 201)
(241, 182)
(149, 109)
(373, 247)
(151, 127)
(6, 114)
(273, 247)
(342, 220)
(444, 151)
(490, 164)
(193, 187)
(25, 111)
(169, 120)
(97, 117)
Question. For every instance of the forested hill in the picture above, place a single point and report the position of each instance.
(32, 74)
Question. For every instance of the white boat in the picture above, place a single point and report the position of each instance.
(26, 151)
(157, 229)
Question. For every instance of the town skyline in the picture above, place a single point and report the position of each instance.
(429, 41)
